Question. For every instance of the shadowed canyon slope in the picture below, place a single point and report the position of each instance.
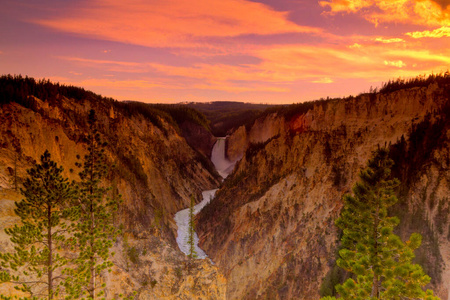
(270, 230)
(153, 168)
(271, 227)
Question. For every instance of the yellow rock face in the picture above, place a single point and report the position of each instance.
(155, 172)
(272, 231)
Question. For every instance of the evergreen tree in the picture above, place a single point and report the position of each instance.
(380, 261)
(37, 264)
(191, 236)
(94, 233)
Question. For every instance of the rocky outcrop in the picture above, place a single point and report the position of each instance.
(152, 167)
(198, 137)
(261, 130)
(271, 227)
(157, 270)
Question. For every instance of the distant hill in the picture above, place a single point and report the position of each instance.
(224, 116)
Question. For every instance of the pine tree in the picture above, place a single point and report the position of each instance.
(37, 264)
(95, 232)
(380, 261)
(191, 237)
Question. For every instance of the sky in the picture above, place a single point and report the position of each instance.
(268, 51)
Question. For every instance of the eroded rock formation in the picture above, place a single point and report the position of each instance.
(152, 167)
(271, 227)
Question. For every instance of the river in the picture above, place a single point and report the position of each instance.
(223, 167)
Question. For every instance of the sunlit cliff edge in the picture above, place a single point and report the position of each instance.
(271, 228)
(270, 231)
(152, 167)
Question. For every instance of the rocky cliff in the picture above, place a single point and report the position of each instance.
(271, 227)
(270, 231)
(152, 167)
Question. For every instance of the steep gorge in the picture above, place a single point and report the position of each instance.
(152, 167)
(270, 230)
(271, 227)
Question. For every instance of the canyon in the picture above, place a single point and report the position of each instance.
(269, 232)
(153, 169)
(271, 227)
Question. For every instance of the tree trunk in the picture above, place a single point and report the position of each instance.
(92, 258)
(375, 284)
(92, 282)
(50, 253)
(92, 238)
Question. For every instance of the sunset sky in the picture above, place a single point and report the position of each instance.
(269, 51)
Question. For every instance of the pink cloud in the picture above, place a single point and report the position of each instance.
(281, 66)
(172, 23)
(99, 61)
(110, 65)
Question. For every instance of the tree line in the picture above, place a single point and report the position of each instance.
(418, 81)
(18, 89)
(62, 245)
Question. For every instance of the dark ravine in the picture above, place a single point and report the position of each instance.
(271, 227)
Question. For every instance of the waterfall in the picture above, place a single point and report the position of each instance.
(218, 158)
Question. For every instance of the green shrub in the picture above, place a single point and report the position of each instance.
(133, 255)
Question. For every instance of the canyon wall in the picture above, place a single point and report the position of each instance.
(152, 167)
(271, 227)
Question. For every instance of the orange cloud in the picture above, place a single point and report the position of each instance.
(444, 31)
(355, 45)
(420, 12)
(323, 80)
(286, 64)
(398, 63)
(372, 62)
(346, 5)
(206, 77)
(281, 66)
(421, 56)
(221, 72)
(389, 41)
(172, 23)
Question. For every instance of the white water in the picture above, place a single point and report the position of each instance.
(223, 167)
(182, 220)
(222, 164)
